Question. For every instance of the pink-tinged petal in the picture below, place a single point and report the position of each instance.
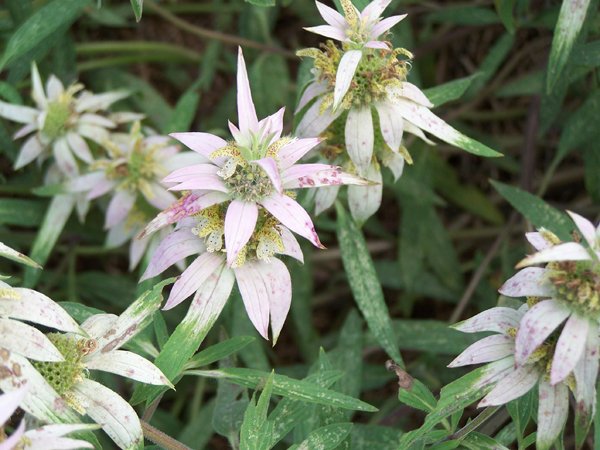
(189, 172)
(101, 188)
(331, 16)
(517, 383)
(9, 402)
(488, 349)
(54, 87)
(24, 131)
(499, 319)
(206, 182)
(569, 251)
(11, 442)
(246, 112)
(291, 247)
(80, 147)
(570, 347)
(64, 158)
(537, 240)
(586, 229)
(293, 216)
(329, 32)
(279, 292)
(184, 207)
(359, 137)
(553, 409)
(411, 92)
(314, 122)
(108, 409)
(495, 371)
(377, 45)
(97, 102)
(385, 25)
(137, 248)
(99, 324)
(271, 126)
(202, 143)
(373, 10)
(192, 278)
(32, 148)
(240, 221)
(27, 341)
(176, 246)
(270, 167)
(94, 133)
(344, 76)
(119, 234)
(158, 196)
(235, 132)
(35, 307)
(291, 153)
(18, 113)
(325, 198)
(313, 90)
(413, 129)
(391, 125)
(127, 364)
(528, 282)
(97, 120)
(537, 324)
(255, 295)
(183, 159)
(364, 201)
(586, 372)
(119, 207)
(316, 175)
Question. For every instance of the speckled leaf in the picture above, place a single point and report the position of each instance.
(325, 438)
(452, 90)
(287, 387)
(364, 283)
(570, 20)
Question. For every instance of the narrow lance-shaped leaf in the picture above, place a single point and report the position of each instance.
(364, 283)
(56, 217)
(40, 26)
(325, 438)
(570, 19)
(14, 255)
(137, 6)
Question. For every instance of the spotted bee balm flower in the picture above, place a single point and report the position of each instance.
(61, 121)
(504, 378)
(238, 209)
(360, 101)
(57, 388)
(132, 173)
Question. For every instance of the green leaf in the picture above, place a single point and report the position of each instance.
(287, 387)
(325, 438)
(256, 431)
(577, 130)
(570, 20)
(189, 334)
(463, 15)
(263, 3)
(452, 90)
(80, 312)
(537, 211)
(417, 396)
(44, 22)
(490, 64)
(504, 8)
(219, 351)
(478, 441)
(591, 159)
(55, 219)
(364, 282)
(521, 411)
(374, 437)
(586, 54)
(183, 115)
(137, 6)
(270, 81)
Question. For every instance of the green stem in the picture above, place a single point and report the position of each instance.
(138, 46)
(125, 60)
(161, 439)
(475, 423)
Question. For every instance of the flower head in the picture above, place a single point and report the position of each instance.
(566, 290)
(62, 121)
(360, 101)
(505, 379)
(49, 437)
(238, 209)
(355, 28)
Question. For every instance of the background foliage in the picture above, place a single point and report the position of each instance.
(518, 75)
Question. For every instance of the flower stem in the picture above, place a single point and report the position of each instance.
(212, 34)
(161, 439)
